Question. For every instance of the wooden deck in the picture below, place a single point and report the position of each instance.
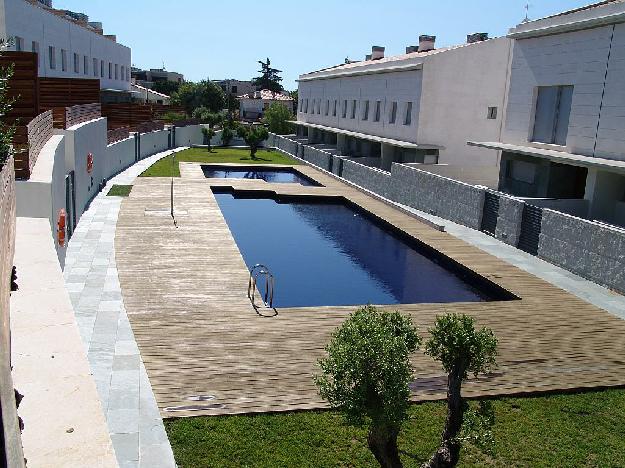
(185, 293)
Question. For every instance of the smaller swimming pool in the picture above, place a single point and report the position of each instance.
(275, 175)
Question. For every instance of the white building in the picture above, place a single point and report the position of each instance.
(253, 105)
(67, 44)
(236, 87)
(147, 95)
(418, 107)
(563, 142)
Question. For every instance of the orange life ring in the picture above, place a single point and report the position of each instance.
(60, 233)
(89, 163)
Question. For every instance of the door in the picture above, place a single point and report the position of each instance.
(70, 204)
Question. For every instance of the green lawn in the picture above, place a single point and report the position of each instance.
(575, 430)
(119, 191)
(163, 168)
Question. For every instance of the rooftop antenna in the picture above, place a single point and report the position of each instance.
(527, 12)
(163, 64)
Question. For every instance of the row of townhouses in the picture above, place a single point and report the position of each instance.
(68, 45)
(538, 114)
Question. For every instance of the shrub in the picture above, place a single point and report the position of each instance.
(171, 116)
(277, 118)
(366, 375)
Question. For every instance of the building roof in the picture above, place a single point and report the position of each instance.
(590, 16)
(266, 95)
(555, 156)
(366, 136)
(151, 91)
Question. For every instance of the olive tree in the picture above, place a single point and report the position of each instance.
(253, 135)
(366, 375)
(208, 133)
(226, 135)
(461, 349)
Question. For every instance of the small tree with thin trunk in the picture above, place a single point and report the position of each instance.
(208, 133)
(462, 350)
(253, 135)
(366, 375)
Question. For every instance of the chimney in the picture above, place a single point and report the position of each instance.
(477, 37)
(412, 49)
(426, 43)
(368, 57)
(377, 53)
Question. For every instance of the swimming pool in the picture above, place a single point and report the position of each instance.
(323, 252)
(273, 175)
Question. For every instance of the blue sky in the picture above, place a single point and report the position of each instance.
(222, 39)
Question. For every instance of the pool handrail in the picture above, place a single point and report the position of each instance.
(256, 272)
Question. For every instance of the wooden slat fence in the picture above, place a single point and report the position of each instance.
(39, 131)
(75, 115)
(117, 134)
(126, 114)
(67, 92)
(152, 126)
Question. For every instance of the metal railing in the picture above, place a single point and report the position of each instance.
(259, 272)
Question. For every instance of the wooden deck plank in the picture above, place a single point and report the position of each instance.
(184, 290)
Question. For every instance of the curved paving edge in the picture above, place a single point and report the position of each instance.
(133, 418)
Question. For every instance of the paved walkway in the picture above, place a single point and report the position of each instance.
(134, 422)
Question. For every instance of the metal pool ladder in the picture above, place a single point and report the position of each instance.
(258, 272)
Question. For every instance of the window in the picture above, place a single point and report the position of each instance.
(376, 117)
(101, 68)
(76, 63)
(353, 113)
(327, 106)
(319, 106)
(63, 60)
(123, 73)
(393, 114)
(408, 116)
(334, 108)
(345, 108)
(305, 106)
(85, 65)
(19, 43)
(95, 67)
(492, 113)
(551, 120)
(312, 108)
(116, 72)
(110, 71)
(52, 57)
(365, 112)
(521, 171)
(234, 89)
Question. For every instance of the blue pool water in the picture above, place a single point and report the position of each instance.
(328, 254)
(277, 175)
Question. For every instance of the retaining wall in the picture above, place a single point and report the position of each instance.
(370, 178)
(509, 219)
(153, 142)
(189, 135)
(459, 202)
(589, 249)
(119, 156)
(317, 157)
(14, 455)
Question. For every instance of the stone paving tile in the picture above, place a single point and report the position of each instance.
(134, 422)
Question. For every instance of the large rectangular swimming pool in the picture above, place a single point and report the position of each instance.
(274, 175)
(327, 253)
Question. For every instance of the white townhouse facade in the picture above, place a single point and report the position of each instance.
(563, 142)
(67, 44)
(418, 107)
(252, 106)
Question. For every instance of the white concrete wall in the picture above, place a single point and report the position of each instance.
(459, 86)
(32, 23)
(119, 156)
(88, 137)
(401, 87)
(154, 142)
(580, 59)
(189, 135)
